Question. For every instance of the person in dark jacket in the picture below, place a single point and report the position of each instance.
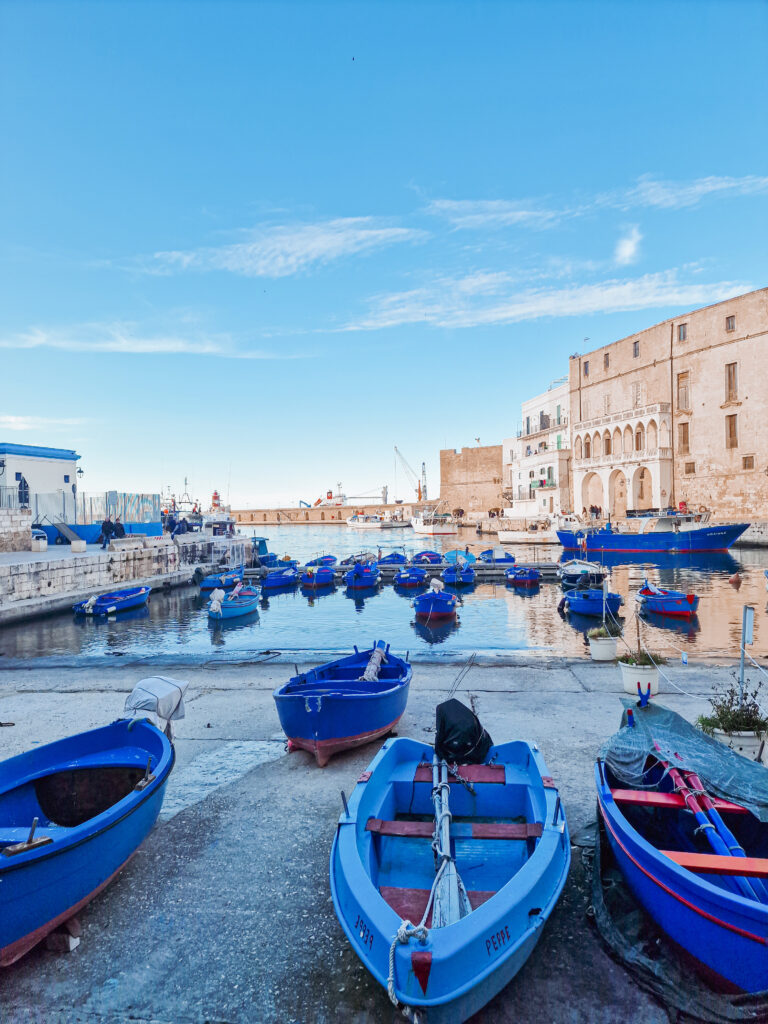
(107, 529)
(119, 528)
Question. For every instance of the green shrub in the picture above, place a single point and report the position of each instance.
(731, 714)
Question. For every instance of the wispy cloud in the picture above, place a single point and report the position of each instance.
(282, 250)
(493, 213)
(677, 195)
(447, 303)
(628, 246)
(25, 424)
(127, 339)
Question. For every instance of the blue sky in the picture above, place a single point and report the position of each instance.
(260, 244)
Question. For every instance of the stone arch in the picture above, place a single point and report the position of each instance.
(616, 443)
(578, 450)
(664, 434)
(639, 438)
(652, 436)
(587, 447)
(596, 447)
(607, 443)
(592, 491)
(629, 440)
(322, 517)
(642, 489)
(617, 493)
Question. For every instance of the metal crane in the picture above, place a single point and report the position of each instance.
(419, 486)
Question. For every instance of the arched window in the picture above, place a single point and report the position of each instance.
(606, 443)
(587, 448)
(639, 438)
(577, 449)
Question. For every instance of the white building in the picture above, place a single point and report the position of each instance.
(26, 469)
(536, 461)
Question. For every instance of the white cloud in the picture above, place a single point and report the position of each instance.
(283, 250)
(677, 195)
(445, 304)
(492, 213)
(123, 338)
(25, 424)
(627, 247)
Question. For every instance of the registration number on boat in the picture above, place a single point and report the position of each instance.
(498, 940)
(365, 933)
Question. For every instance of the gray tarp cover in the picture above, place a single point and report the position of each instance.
(723, 772)
(162, 695)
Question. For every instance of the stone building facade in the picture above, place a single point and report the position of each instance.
(471, 479)
(676, 413)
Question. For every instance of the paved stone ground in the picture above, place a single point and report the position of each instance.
(225, 915)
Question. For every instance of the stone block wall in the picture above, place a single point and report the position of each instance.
(471, 479)
(15, 529)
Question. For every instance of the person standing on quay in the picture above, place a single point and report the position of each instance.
(107, 529)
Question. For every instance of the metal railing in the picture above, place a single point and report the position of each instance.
(85, 508)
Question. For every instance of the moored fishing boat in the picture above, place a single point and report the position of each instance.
(242, 601)
(655, 533)
(410, 578)
(574, 571)
(280, 578)
(458, 575)
(523, 577)
(496, 556)
(72, 814)
(427, 557)
(434, 523)
(374, 522)
(667, 602)
(323, 576)
(442, 878)
(344, 703)
(393, 558)
(687, 821)
(437, 604)
(363, 574)
(113, 602)
(322, 560)
(222, 580)
(595, 602)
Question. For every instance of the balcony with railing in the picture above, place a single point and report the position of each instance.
(610, 418)
(543, 424)
(623, 458)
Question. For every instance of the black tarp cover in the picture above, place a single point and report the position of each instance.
(459, 736)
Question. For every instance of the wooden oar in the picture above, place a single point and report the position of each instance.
(714, 837)
(734, 846)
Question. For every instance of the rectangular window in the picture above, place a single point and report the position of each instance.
(731, 432)
(731, 382)
(559, 441)
(690, 468)
(18, 476)
(586, 368)
(66, 478)
(682, 332)
(683, 438)
(635, 349)
(606, 361)
(748, 462)
(558, 415)
(684, 390)
(730, 323)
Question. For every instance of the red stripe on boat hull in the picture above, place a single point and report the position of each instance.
(325, 749)
(15, 950)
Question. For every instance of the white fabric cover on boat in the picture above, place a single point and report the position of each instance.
(437, 585)
(161, 695)
(217, 596)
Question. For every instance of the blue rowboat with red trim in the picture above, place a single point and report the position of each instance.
(222, 580)
(344, 703)
(393, 558)
(113, 602)
(242, 602)
(436, 605)
(509, 845)
(459, 575)
(362, 575)
(94, 798)
(427, 557)
(411, 578)
(667, 602)
(280, 578)
(323, 576)
(523, 577)
(695, 897)
(322, 560)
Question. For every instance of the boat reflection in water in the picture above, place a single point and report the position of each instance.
(314, 594)
(438, 632)
(218, 627)
(360, 594)
(686, 628)
(721, 562)
(142, 612)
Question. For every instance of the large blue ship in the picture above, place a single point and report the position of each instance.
(659, 533)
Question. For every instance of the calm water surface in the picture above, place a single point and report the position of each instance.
(493, 619)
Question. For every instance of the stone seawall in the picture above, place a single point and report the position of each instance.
(322, 515)
(15, 529)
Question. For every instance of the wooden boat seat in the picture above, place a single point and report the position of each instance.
(468, 830)
(488, 773)
(649, 798)
(717, 864)
(410, 904)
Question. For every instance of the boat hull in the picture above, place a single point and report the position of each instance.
(674, 606)
(586, 603)
(433, 529)
(117, 601)
(221, 581)
(235, 609)
(706, 538)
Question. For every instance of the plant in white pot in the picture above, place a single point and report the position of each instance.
(736, 720)
(640, 666)
(603, 641)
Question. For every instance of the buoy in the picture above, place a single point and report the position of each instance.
(735, 580)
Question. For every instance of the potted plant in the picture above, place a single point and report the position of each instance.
(736, 720)
(603, 641)
(640, 666)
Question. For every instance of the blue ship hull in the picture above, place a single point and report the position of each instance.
(44, 886)
(706, 538)
(331, 708)
(113, 602)
(512, 851)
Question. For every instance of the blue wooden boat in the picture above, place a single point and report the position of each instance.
(697, 898)
(222, 580)
(72, 813)
(113, 602)
(410, 578)
(393, 558)
(593, 602)
(361, 556)
(344, 703)
(656, 533)
(523, 577)
(242, 602)
(574, 573)
(496, 556)
(667, 602)
(458, 575)
(436, 604)
(362, 575)
(322, 560)
(322, 576)
(459, 555)
(280, 578)
(506, 839)
(428, 557)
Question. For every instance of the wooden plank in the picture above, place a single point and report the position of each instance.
(715, 864)
(410, 904)
(479, 830)
(649, 798)
(489, 773)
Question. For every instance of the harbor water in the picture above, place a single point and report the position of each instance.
(493, 620)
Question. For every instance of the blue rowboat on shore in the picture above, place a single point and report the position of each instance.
(72, 813)
(113, 602)
(443, 953)
(222, 580)
(323, 576)
(344, 703)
